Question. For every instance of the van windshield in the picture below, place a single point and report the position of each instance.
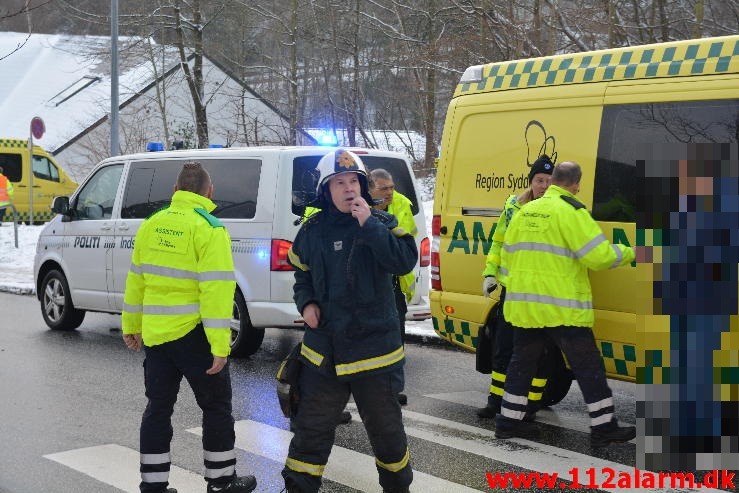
(305, 179)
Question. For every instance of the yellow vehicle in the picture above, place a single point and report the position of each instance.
(606, 110)
(49, 180)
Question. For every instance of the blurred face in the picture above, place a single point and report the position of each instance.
(539, 184)
(344, 188)
(383, 190)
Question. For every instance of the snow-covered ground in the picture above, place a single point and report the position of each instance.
(16, 273)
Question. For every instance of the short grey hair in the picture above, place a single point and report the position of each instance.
(378, 174)
(567, 173)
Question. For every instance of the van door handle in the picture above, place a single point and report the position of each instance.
(124, 227)
(106, 227)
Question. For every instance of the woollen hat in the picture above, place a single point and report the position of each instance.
(541, 165)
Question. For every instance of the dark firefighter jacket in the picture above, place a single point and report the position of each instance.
(347, 271)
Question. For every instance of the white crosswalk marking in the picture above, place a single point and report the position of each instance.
(344, 466)
(531, 455)
(119, 467)
(563, 418)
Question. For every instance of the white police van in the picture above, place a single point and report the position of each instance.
(83, 254)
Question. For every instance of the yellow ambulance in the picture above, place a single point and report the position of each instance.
(601, 109)
(49, 180)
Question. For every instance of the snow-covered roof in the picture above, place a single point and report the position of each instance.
(65, 80)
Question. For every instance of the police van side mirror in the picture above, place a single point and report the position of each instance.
(60, 205)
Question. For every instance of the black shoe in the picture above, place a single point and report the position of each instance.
(171, 490)
(530, 416)
(240, 484)
(487, 412)
(602, 436)
(520, 430)
(345, 418)
(402, 399)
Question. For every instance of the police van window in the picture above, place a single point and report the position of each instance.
(235, 183)
(627, 134)
(305, 179)
(97, 196)
(42, 168)
(12, 166)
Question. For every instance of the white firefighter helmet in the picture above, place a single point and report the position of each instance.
(336, 162)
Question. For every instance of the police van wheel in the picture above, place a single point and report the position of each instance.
(558, 383)
(245, 338)
(56, 303)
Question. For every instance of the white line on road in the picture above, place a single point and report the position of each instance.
(518, 452)
(344, 466)
(119, 467)
(563, 418)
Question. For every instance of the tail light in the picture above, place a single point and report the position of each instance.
(435, 241)
(425, 256)
(278, 259)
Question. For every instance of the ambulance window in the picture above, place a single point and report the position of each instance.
(235, 183)
(12, 166)
(42, 168)
(95, 199)
(634, 132)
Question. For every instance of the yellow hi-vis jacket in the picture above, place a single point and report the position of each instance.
(181, 274)
(548, 248)
(492, 261)
(400, 207)
(6, 190)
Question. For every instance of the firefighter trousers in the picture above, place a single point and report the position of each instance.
(164, 367)
(578, 346)
(501, 358)
(322, 399)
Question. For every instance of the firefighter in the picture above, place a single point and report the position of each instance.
(177, 303)
(549, 246)
(345, 257)
(382, 189)
(540, 176)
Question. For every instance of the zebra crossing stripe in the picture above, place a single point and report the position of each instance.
(563, 418)
(119, 467)
(518, 452)
(344, 466)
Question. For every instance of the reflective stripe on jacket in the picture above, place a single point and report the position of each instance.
(6, 190)
(549, 247)
(347, 270)
(181, 274)
(492, 261)
(400, 207)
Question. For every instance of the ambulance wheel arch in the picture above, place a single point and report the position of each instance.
(57, 307)
(245, 338)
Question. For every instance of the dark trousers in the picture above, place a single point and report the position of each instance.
(164, 367)
(578, 345)
(322, 399)
(401, 306)
(502, 353)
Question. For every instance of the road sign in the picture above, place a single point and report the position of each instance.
(37, 127)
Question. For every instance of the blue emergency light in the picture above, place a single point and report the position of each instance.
(216, 146)
(154, 146)
(326, 138)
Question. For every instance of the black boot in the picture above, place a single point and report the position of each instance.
(402, 399)
(239, 484)
(604, 435)
(512, 428)
(345, 418)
